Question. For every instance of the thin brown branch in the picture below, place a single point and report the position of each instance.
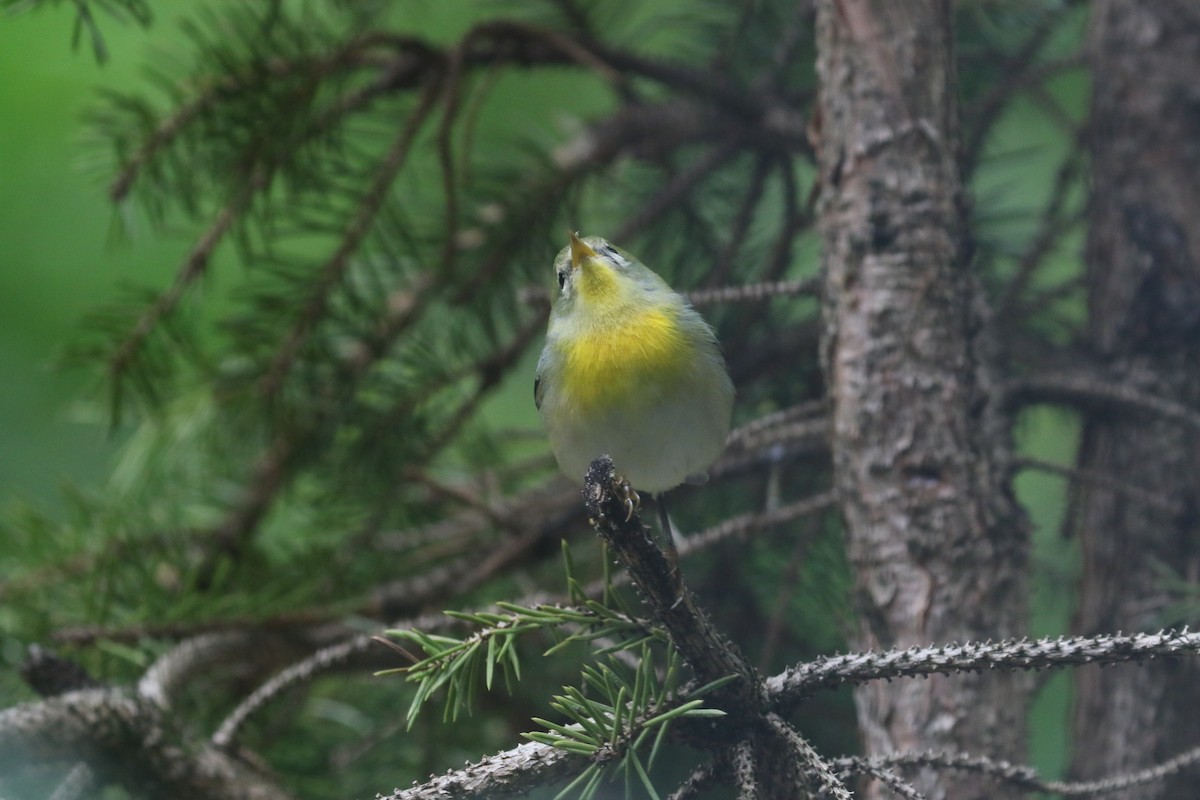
(702, 779)
(672, 604)
(1015, 71)
(1023, 776)
(754, 292)
(753, 195)
(1083, 390)
(191, 270)
(209, 93)
(1093, 478)
(1052, 227)
(826, 673)
(352, 239)
(159, 759)
(793, 219)
(825, 781)
(677, 188)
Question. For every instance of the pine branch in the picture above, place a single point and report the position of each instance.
(303, 671)
(158, 759)
(830, 672)
(1092, 390)
(742, 220)
(743, 771)
(352, 239)
(679, 187)
(177, 668)
(704, 776)
(1090, 477)
(671, 603)
(754, 292)
(823, 781)
(508, 774)
(1022, 776)
(193, 268)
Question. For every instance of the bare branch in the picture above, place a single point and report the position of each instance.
(1111, 482)
(1096, 391)
(754, 292)
(672, 604)
(323, 660)
(180, 665)
(701, 780)
(833, 671)
(812, 765)
(1022, 776)
(127, 740)
(508, 774)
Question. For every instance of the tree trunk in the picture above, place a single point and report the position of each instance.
(935, 539)
(1144, 308)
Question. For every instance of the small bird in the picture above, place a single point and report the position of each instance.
(632, 370)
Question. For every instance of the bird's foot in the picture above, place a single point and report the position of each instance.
(629, 498)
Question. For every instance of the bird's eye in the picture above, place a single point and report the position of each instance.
(562, 279)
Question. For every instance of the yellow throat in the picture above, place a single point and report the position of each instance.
(621, 342)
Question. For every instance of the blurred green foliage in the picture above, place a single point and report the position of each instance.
(60, 258)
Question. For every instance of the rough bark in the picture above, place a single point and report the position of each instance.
(1143, 253)
(935, 540)
(126, 740)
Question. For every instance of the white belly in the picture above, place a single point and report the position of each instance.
(677, 434)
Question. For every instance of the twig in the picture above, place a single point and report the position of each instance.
(192, 269)
(323, 660)
(1095, 390)
(679, 186)
(753, 292)
(122, 728)
(672, 604)
(701, 780)
(176, 668)
(1052, 227)
(811, 764)
(352, 238)
(1094, 478)
(901, 787)
(829, 672)
(1022, 776)
(1016, 71)
(741, 222)
(743, 771)
(758, 520)
(510, 773)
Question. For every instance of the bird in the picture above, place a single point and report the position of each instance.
(631, 370)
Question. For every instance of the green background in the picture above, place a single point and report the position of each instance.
(60, 253)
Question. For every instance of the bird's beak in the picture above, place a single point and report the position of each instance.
(579, 250)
